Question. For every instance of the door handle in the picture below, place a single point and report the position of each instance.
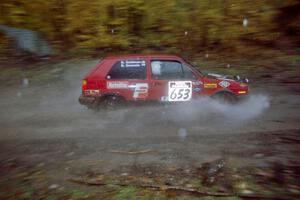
(156, 83)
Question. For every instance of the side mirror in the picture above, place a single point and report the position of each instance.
(237, 77)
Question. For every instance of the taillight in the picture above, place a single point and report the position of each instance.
(83, 85)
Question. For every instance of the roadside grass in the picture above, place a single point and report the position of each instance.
(41, 73)
(131, 192)
(27, 193)
(219, 198)
(258, 182)
(294, 59)
(126, 193)
(77, 194)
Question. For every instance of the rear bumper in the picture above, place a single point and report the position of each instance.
(86, 100)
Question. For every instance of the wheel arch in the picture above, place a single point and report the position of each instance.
(110, 94)
(225, 96)
(222, 91)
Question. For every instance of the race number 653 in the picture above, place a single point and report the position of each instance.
(180, 90)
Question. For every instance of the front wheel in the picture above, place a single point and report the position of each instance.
(225, 97)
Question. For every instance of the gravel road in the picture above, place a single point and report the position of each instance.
(45, 125)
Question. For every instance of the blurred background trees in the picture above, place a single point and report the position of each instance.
(76, 27)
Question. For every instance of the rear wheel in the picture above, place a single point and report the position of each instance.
(225, 97)
(94, 106)
(112, 102)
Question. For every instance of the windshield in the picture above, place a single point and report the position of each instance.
(195, 68)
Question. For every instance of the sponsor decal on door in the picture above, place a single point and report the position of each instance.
(140, 90)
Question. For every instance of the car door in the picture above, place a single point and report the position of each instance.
(127, 78)
(168, 81)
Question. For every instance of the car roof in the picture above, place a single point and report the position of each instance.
(157, 56)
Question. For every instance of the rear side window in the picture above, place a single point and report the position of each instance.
(128, 69)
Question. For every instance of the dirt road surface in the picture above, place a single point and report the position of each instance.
(44, 129)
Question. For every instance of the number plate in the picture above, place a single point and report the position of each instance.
(180, 91)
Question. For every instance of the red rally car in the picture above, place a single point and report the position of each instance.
(164, 78)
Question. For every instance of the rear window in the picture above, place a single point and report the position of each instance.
(128, 69)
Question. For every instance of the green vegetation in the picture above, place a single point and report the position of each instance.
(27, 193)
(126, 193)
(77, 194)
(175, 26)
(219, 198)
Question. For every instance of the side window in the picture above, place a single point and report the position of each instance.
(128, 69)
(188, 74)
(166, 69)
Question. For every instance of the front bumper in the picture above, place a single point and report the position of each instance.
(83, 100)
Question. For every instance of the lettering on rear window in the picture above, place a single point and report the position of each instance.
(133, 63)
(128, 69)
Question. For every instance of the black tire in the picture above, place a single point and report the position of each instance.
(225, 98)
(112, 102)
(95, 105)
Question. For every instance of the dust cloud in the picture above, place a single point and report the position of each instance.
(205, 108)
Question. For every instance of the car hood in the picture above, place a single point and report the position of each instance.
(236, 78)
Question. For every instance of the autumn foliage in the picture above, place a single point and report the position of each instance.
(88, 27)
